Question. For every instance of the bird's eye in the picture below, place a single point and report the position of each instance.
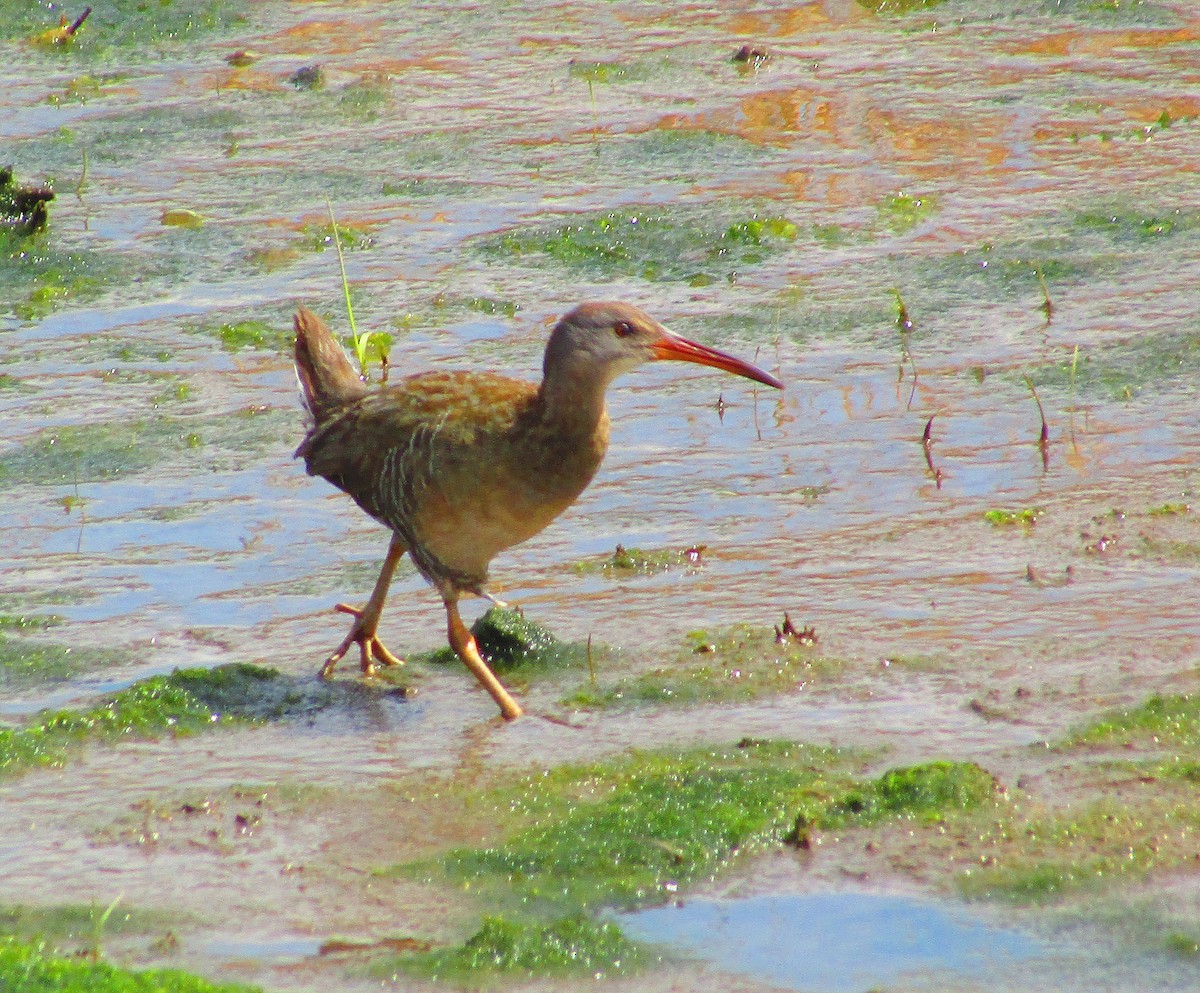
(623, 329)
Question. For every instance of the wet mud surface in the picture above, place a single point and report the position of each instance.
(909, 219)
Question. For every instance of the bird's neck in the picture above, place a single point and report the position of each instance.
(573, 404)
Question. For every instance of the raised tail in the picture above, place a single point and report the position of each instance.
(326, 376)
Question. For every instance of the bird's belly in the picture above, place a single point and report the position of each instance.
(465, 535)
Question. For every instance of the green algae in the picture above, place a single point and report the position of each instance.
(902, 212)
(78, 923)
(1087, 847)
(492, 306)
(422, 187)
(1170, 509)
(1123, 225)
(737, 665)
(930, 792)
(28, 662)
(510, 641)
(1169, 721)
(668, 244)
(35, 967)
(898, 7)
(187, 701)
(27, 622)
(320, 238)
(672, 151)
(639, 829)
(636, 829)
(37, 278)
(125, 26)
(1003, 517)
(570, 946)
(1149, 363)
(184, 702)
(599, 72)
(101, 450)
(796, 317)
(255, 334)
(643, 562)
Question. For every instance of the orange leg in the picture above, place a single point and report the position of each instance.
(366, 621)
(465, 648)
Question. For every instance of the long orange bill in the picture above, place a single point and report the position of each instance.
(672, 346)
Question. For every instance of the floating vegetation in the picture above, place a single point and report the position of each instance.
(78, 924)
(930, 791)
(181, 217)
(639, 829)
(598, 72)
(1124, 225)
(38, 279)
(420, 187)
(320, 238)
(184, 702)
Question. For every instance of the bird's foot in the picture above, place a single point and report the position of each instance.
(362, 633)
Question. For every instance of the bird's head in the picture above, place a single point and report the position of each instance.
(597, 342)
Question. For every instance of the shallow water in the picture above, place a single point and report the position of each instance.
(1041, 137)
(843, 942)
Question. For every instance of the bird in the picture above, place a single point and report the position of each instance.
(462, 465)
